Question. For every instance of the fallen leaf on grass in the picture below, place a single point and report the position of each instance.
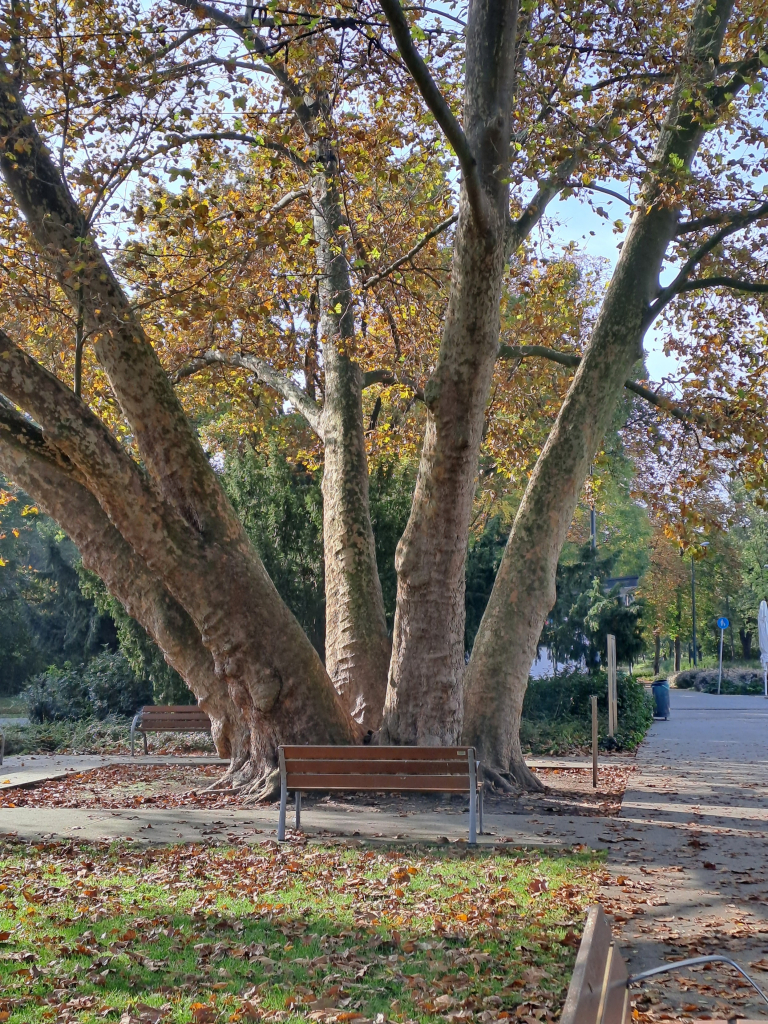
(203, 1014)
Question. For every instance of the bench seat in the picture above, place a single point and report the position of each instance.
(379, 769)
(168, 718)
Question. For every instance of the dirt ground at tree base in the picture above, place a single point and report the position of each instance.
(569, 791)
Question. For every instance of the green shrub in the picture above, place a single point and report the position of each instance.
(105, 686)
(735, 680)
(557, 713)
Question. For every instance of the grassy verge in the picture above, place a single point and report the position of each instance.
(557, 714)
(195, 934)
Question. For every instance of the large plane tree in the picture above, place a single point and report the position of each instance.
(532, 101)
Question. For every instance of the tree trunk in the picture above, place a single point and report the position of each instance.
(424, 702)
(745, 635)
(357, 646)
(40, 470)
(524, 590)
(677, 654)
(176, 518)
(656, 653)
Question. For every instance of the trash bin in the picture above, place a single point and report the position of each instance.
(661, 699)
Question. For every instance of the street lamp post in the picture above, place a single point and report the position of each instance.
(693, 609)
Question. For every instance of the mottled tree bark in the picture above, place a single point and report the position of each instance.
(424, 696)
(524, 590)
(357, 646)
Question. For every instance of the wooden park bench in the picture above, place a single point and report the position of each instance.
(168, 718)
(382, 769)
(599, 989)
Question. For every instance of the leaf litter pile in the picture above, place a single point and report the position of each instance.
(198, 934)
(115, 786)
(569, 791)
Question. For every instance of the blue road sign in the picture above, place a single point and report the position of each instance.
(723, 623)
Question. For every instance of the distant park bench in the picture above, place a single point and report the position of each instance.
(382, 769)
(599, 989)
(168, 718)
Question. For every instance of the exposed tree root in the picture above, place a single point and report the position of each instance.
(266, 787)
(498, 780)
(524, 777)
(238, 776)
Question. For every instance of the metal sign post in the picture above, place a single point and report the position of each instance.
(722, 625)
(612, 691)
(593, 702)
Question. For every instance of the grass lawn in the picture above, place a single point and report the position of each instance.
(195, 935)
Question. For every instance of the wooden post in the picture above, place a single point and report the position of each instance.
(612, 692)
(593, 702)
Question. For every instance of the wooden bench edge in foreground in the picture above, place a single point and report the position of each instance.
(599, 992)
(168, 718)
(380, 769)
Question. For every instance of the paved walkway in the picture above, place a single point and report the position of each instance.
(692, 844)
(688, 853)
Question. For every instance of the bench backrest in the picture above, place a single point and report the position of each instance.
(423, 769)
(174, 718)
(598, 992)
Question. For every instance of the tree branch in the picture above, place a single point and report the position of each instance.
(738, 223)
(577, 186)
(518, 230)
(572, 360)
(42, 471)
(251, 140)
(389, 377)
(168, 444)
(396, 264)
(120, 485)
(758, 287)
(284, 386)
(437, 104)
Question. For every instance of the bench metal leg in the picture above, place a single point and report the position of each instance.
(298, 810)
(283, 797)
(472, 797)
(2, 746)
(146, 748)
(480, 807)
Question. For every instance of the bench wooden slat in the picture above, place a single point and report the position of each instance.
(174, 723)
(584, 1002)
(435, 783)
(343, 766)
(173, 708)
(616, 1003)
(160, 717)
(377, 753)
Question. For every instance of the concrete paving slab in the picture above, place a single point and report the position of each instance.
(157, 826)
